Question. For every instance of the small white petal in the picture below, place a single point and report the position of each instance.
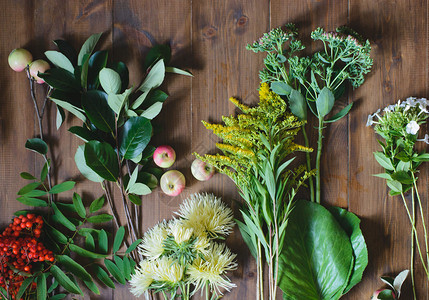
(412, 127)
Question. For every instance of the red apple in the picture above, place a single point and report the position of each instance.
(201, 170)
(164, 156)
(172, 182)
(19, 59)
(37, 66)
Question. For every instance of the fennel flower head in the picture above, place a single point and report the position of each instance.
(152, 245)
(211, 269)
(207, 215)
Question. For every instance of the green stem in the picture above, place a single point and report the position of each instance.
(319, 154)
(412, 246)
(415, 233)
(260, 285)
(308, 158)
(207, 291)
(422, 216)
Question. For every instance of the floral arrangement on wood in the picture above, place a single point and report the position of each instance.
(311, 252)
(39, 249)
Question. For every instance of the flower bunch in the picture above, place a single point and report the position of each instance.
(181, 256)
(255, 148)
(399, 125)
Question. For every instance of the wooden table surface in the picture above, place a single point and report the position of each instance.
(209, 38)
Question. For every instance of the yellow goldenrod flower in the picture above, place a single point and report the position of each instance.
(141, 279)
(235, 150)
(152, 244)
(212, 268)
(180, 232)
(264, 91)
(206, 214)
(237, 103)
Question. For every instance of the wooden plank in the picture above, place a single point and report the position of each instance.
(400, 70)
(223, 68)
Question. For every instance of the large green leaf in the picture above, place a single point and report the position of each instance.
(317, 255)
(117, 101)
(78, 112)
(96, 62)
(60, 60)
(325, 102)
(122, 70)
(37, 145)
(152, 111)
(98, 110)
(153, 80)
(41, 287)
(102, 159)
(136, 134)
(159, 51)
(350, 223)
(61, 79)
(66, 49)
(83, 167)
(88, 47)
(281, 88)
(110, 81)
(63, 280)
(72, 266)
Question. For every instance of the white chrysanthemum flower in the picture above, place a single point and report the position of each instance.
(180, 232)
(212, 268)
(141, 279)
(412, 127)
(152, 244)
(202, 244)
(207, 215)
(425, 139)
(167, 270)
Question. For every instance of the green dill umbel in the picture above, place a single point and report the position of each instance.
(315, 81)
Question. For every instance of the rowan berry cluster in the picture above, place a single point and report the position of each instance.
(19, 249)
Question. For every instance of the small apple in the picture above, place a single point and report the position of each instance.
(19, 59)
(201, 170)
(164, 156)
(172, 182)
(37, 66)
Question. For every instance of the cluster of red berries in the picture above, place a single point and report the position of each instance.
(19, 248)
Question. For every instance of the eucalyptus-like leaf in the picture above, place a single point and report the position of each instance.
(135, 136)
(281, 88)
(88, 47)
(155, 77)
(83, 167)
(102, 159)
(85, 253)
(119, 238)
(72, 266)
(104, 277)
(110, 81)
(340, 114)
(325, 102)
(98, 111)
(152, 111)
(178, 71)
(63, 280)
(101, 218)
(60, 60)
(298, 104)
(37, 145)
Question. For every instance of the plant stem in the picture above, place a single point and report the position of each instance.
(422, 216)
(415, 233)
(412, 246)
(319, 154)
(308, 159)
(260, 283)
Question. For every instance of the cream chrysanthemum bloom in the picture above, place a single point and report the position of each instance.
(167, 270)
(207, 215)
(141, 279)
(152, 244)
(179, 231)
(212, 268)
(202, 244)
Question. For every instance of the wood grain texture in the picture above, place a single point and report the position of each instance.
(209, 38)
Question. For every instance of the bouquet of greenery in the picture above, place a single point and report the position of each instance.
(399, 125)
(182, 255)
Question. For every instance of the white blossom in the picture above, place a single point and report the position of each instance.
(425, 139)
(412, 127)
(370, 120)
